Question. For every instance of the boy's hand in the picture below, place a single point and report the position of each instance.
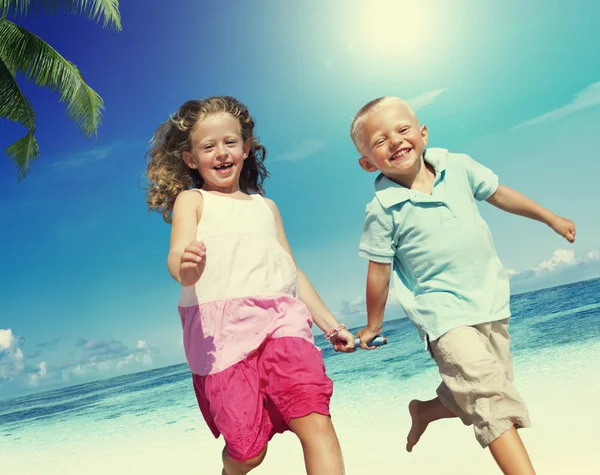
(344, 342)
(192, 263)
(366, 335)
(564, 227)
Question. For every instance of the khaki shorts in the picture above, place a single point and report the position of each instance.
(477, 379)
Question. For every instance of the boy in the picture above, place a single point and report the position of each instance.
(424, 221)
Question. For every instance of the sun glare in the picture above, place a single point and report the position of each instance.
(400, 29)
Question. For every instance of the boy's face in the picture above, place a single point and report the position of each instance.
(391, 140)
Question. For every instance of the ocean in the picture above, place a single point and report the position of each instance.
(149, 422)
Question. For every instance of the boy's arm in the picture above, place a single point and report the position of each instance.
(512, 201)
(378, 246)
(378, 286)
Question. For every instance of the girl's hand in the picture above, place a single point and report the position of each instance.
(192, 263)
(344, 342)
(564, 227)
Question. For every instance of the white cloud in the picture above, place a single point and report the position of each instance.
(13, 367)
(354, 312)
(425, 99)
(43, 367)
(563, 267)
(41, 373)
(80, 370)
(588, 97)
(142, 356)
(93, 359)
(11, 355)
(141, 344)
(83, 158)
(301, 150)
(353, 307)
(143, 359)
(6, 339)
(561, 257)
(106, 356)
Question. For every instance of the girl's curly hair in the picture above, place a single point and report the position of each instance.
(167, 172)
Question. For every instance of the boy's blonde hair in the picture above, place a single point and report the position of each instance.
(363, 114)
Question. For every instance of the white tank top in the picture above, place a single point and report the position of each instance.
(243, 255)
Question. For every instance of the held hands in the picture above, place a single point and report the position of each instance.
(564, 227)
(192, 263)
(343, 341)
(366, 335)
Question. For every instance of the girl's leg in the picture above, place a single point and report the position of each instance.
(232, 467)
(322, 452)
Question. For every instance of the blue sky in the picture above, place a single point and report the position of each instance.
(84, 291)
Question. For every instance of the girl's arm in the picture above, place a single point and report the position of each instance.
(185, 254)
(512, 201)
(322, 317)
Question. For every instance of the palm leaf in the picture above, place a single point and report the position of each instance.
(22, 51)
(23, 152)
(108, 10)
(15, 106)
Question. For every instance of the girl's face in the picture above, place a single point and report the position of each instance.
(218, 152)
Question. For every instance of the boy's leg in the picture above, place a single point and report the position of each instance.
(423, 413)
(322, 452)
(510, 454)
(508, 449)
(473, 366)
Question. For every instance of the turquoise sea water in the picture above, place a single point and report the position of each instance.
(561, 323)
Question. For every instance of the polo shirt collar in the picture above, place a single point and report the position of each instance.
(390, 193)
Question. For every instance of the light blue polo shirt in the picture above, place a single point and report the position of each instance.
(446, 270)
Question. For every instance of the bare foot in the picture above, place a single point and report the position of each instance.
(419, 424)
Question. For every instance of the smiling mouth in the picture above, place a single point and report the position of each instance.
(400, 154)
(223, 167)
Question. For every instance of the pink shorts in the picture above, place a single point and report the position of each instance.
(254, 399)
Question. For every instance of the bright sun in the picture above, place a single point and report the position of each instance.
(398, 29)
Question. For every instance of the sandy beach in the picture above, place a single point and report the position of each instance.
(562, 388)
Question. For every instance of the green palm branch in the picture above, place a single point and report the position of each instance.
(23, 52)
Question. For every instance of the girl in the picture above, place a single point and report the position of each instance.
(246, 309)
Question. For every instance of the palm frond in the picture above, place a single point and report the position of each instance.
(13, 8)
(23, 152)
(22, 51)
(13, 104)
(95, 10)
